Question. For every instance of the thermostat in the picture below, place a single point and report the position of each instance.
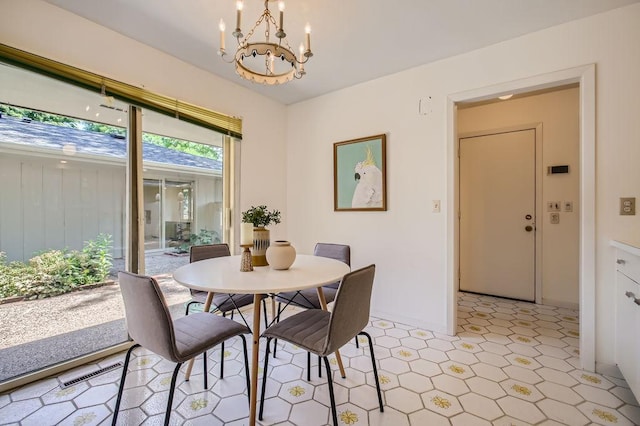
(553, 170)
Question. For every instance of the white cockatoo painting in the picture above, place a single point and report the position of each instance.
(368, 191)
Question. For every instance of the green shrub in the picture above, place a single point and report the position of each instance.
(54, 272)
(8, 274)
(203, 237)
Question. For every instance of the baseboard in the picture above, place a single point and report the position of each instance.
(389, 316)
(610, 370)
(561, 304)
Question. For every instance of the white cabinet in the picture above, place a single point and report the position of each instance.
(628, 314)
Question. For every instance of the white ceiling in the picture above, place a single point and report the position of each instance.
(353, 40)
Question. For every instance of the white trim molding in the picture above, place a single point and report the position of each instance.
(585, 76)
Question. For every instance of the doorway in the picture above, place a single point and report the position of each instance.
(585, 77)
(169, 214)
(497, 197)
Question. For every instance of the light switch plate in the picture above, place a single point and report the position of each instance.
(628, 206)
(568, 206)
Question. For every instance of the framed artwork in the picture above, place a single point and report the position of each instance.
(359, 174)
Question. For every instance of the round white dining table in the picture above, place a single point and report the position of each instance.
(223, 275)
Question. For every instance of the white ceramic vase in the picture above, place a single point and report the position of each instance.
(281, 255)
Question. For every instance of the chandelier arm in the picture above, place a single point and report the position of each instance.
(223, 54)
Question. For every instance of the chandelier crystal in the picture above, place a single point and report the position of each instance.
(266, 62)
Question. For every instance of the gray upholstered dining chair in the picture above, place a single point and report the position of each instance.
(322, 333)
(308, 299)
(223, 303)
(150, 325)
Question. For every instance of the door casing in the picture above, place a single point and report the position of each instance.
(585, 76)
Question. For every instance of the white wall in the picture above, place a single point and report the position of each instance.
(49, 31)
(558, 112)
(408, 242)
(41, 197)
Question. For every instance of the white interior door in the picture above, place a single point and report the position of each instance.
(497, 214)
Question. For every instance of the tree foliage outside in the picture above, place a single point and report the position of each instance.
(181, 145)
(188, 147)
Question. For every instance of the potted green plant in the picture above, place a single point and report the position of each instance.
(261, 217)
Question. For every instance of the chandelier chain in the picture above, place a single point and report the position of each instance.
(250, 33)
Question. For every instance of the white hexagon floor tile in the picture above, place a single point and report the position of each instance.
(512, 363)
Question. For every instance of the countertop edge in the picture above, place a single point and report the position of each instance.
(628, 247)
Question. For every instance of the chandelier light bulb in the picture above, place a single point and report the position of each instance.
(239, 6)
(222, 28)
(281, 7)
(301, 59)
(307, 31)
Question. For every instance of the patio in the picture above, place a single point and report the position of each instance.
(39, 333)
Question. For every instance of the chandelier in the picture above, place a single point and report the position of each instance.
(266, 62)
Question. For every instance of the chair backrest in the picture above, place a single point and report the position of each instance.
(339, 252)
(148, 319)
(350, 314)
(208, 251)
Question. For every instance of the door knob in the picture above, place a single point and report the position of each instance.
(528, 228)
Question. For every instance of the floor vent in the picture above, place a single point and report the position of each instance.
(91, 375)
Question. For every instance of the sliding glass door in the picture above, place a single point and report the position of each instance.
(63, 157)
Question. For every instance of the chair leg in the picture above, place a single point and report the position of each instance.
(171, 391)
(357, 344)
(275, 341)
(186, 312)
(308, 366)
(206, 372)
(121, 388)
(222, 354)
(332, 397)
(246, 367)
(264, 379)
(319, 367)
(264, 309)
(375, 369)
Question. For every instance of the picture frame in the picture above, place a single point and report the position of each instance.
(359, 174)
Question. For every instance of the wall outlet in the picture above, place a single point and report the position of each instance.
(553, 206)
(554, 218)
(628, 206)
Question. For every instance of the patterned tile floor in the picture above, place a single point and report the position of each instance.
(512, 363)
